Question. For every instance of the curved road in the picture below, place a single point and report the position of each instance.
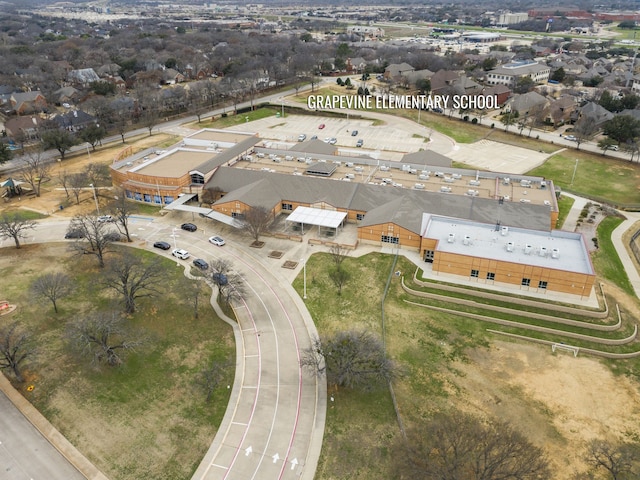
(274, 422)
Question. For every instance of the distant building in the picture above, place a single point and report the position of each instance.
(510, 73)
(368, 32)
(512, 18)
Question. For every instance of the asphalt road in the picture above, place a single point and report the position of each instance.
(275, 420)
(24, 453)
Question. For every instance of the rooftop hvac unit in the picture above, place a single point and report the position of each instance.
(525, 200)
(288, 158)
(349, 164)
(301, 159)
(337, 162)
(555, 253)
(527, 249)
(439, 174)
(510, 246)
(394, 184)
(350, 175)
(472, 193)
(422, 176)
(426, 172)
(504, 231)
(406, 168)
(525, 183)
(466, 240)
(449, 180)
(413, 171)
(387, 181)
(506, 198)
(457, 176)
(419, 186)
(506, 181)
(543, 184)
(543, 251)
(384, 168)
(451, 238)
(358, 169)
(474, 183)
(547, 203)
(445, 189)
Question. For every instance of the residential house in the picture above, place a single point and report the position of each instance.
(66, 95)
(599, 114)
(74, 120)
(559, 111)
(443, 81)
(511, 73)
(23, 103)
(23, 129)
(108, 70)
(501, 92)
(395, 71)
(526, 103)
(356, 65)
(171, 76)
(83, 77)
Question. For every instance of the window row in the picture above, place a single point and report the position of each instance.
(526, 282)
(148, 198)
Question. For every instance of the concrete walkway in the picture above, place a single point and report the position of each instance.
(631, 223)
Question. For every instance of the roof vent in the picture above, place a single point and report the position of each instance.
(451, 238)
(543, 251)
(555, 253)
(466, 240)
(504, 231)
(510, 246)
(527, 249)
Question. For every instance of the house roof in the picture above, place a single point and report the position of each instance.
(314, 146)
(427, 157)
(522, 103)
(83, 75)
(381, 204)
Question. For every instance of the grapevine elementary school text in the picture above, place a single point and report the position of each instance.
(421, 102)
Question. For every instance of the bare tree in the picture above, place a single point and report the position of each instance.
(35, 170)
(52, 286)
(193, 292)
(65, 180)
(457, 445)
(15, 225)
(102, 336)
(77, 183)
(95, 236)
(122, 210)
(338, 255)
(350, 359)
(231, 286)
(15, 348)
(621, 461)
(584, 128)
(97, 174)
(209, 378)
(133, 279)
(256, 221)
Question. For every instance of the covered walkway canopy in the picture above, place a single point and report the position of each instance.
(330, 220)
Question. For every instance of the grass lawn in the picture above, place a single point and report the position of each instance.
(231, 120)
(606, 260)
(564, 206)
(146, 418)
(609, 180)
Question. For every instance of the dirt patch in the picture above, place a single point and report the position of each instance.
(559, 401)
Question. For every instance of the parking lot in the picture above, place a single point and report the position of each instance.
(387, 141)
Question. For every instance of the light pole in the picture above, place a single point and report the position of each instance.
(575, 168)
(95, 198)
(173, 234)
(304, 278)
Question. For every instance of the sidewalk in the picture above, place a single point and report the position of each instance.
(616, 237)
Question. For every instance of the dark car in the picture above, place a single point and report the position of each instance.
(354, 133)
(438, 110)
(74, 234)
(201, 264)
(359, 143)
(220, 278)
(189, 227)
(162, 245)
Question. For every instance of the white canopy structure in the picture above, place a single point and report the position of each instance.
(328, 219)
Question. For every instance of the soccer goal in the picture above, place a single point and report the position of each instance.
(568, 348)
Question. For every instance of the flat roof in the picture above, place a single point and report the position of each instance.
(317, 216)
(174, 163)
(553, 249)
(214, 135)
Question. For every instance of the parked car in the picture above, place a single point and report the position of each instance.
(105, 218)
(354, 133)
(614, 148)
(180, 253)
(302, 137)
(359, 143)
(333, 140)
(189, 227)
(162, 245)
(571, 138)
(220, 278)
(315, 137)
(201, 264)
(75, 234)
(216, 240)
(321, 126)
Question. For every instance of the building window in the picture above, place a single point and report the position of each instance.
(428, 256)
(475, 273)
(197, 179)
(129, 194)
(526, 282)
(168, 199)
(147, 198)
(287, 206)
(157, 199)
(491, 276)
(390, 239)
(542, 285)
(137, 196)
(359, 216)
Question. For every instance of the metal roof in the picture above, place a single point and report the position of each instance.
(317, 216)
